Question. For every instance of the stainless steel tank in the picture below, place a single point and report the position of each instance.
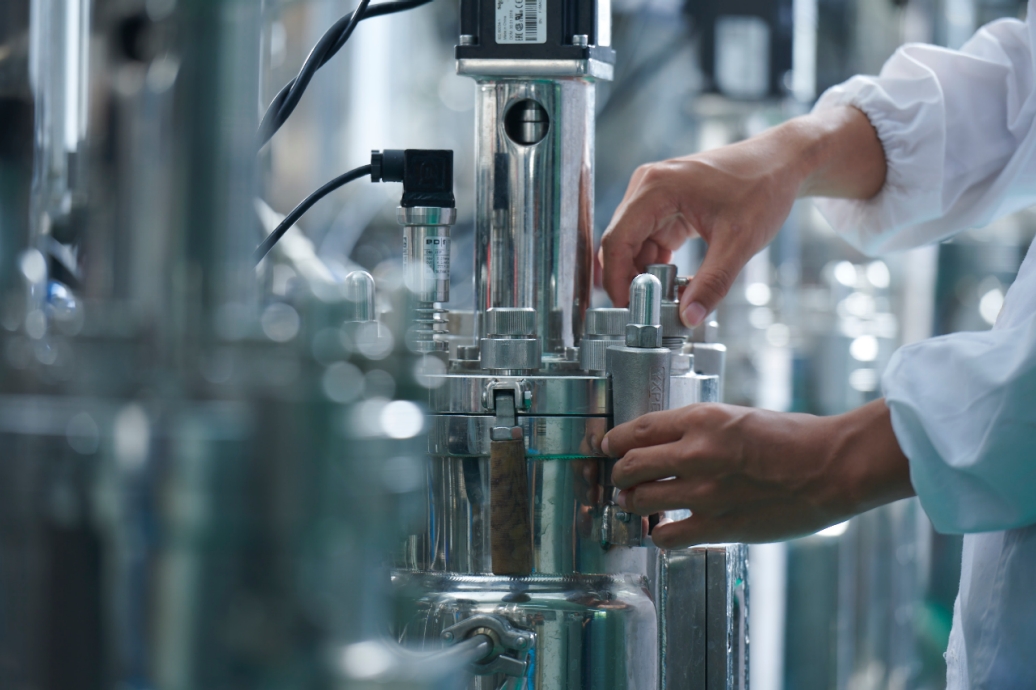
(522, 538)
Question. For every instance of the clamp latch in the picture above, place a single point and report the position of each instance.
(511, 645)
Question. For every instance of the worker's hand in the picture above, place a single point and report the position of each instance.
(736, 198)
(751, 475)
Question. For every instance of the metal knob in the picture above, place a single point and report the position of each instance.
(510, 322)
(645, 326)
(359, 294)
(607, 322)
(603, 329)
(666, 274)
(646, 300)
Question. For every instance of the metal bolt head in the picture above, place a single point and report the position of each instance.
(448, 636)
(521, 642)
(468, 40)
(643, 336)
(581, 40)
(622, 516)
(468, 353)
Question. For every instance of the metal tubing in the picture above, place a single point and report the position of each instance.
(470, 651)
(534, 220)
(426, 251)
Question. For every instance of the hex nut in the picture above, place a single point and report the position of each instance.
(643, 336)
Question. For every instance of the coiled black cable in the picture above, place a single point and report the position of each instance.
(330, 43)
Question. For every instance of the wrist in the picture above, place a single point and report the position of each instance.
(835, 153)
(851, 158)
(867, 468)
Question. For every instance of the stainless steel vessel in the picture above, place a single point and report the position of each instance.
(521, 526)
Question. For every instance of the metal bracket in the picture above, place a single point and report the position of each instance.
(522, 394)
(511, 648)
(619, 528)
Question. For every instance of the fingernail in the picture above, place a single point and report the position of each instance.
(694, 314)
(604, 446)
(620, 500)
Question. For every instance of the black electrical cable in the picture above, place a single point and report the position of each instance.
(263, 249)
(330, 43)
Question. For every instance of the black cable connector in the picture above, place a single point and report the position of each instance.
(427, 177)
(426, 174)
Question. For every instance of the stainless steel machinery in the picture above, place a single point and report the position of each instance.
(523, 541)
(206, 464)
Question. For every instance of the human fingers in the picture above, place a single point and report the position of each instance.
(648, 465)
(658, 496)
(648, 209)
(651, 252)
(697, 529)
(723, 261)
(647, 430)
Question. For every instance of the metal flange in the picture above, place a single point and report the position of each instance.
(511, 648)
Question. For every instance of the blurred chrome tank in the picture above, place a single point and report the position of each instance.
(190, 474)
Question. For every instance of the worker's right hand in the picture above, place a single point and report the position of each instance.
(736, 198)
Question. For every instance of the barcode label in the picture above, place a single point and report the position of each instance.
(521, 21)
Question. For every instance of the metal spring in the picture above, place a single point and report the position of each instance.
(430, 328)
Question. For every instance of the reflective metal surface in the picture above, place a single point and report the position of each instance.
(566, 503)
(534, 216)
(595, 632)
(546, 69)
(547, 437)
(639, 379)
(544, 395)
(702, 599)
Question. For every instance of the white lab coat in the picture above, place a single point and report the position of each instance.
(959, 133)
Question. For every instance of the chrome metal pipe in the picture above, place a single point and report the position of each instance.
(535, 203)
(646, 301)
(426, 270)
(470, 651)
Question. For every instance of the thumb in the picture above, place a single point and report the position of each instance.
(710, 285)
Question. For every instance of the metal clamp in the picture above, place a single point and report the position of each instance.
(522, 393)
(511, 645)
(619, 528)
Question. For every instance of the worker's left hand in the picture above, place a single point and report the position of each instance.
(750, 475)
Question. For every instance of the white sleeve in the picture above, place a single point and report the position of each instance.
(957, 129)
(964, 412)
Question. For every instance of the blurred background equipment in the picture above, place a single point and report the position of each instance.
(220, 476)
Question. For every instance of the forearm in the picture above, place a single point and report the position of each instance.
(834, 153)
(865, 466)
